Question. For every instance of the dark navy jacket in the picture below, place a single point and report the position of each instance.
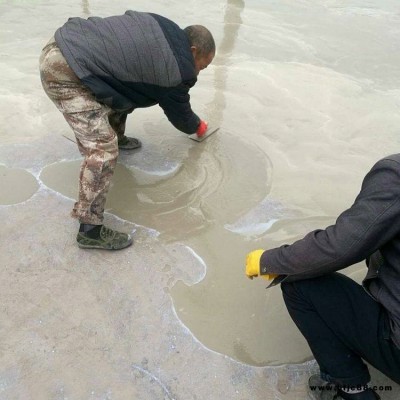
(369, 230)
(131, 61)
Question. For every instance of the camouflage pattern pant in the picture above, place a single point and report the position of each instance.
(96, 128)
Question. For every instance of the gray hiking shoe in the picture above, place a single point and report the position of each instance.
(108, 240)
(128, 143)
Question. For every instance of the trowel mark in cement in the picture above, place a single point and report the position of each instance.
(153, 387)
(17, 185)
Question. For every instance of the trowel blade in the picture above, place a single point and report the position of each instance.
(209, 132)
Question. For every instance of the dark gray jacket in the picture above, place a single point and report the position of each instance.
(133, 60)
(369, 229)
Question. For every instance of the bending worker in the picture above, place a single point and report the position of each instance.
(343, 322)
(97, 71)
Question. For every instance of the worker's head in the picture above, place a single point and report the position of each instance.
(202, 45)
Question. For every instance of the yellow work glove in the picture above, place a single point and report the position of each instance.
(253, 266)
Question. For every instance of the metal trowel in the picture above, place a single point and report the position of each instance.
(209, 132)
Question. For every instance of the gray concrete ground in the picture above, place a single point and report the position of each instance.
(81, 324)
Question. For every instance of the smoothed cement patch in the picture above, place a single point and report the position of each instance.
(17, 185)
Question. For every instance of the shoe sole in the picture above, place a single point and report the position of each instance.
(130, 146)
(98, 247)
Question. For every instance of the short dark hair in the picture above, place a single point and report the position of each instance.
(200, 37)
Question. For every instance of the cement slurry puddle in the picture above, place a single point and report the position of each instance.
(205, 188)
(17, 185)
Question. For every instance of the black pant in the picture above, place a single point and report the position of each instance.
(342, 325)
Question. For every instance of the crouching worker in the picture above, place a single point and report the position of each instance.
(343, 322)
(97, 71)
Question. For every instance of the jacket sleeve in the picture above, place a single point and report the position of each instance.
(176, 106)
(368, 224)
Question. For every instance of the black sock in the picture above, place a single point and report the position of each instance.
(92, 231)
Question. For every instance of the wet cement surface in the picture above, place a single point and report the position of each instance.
(305, 108)
(17, 185)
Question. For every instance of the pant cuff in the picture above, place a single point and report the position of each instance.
(359, 380)
(86, 218)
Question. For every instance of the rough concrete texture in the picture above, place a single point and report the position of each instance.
(81, 324)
